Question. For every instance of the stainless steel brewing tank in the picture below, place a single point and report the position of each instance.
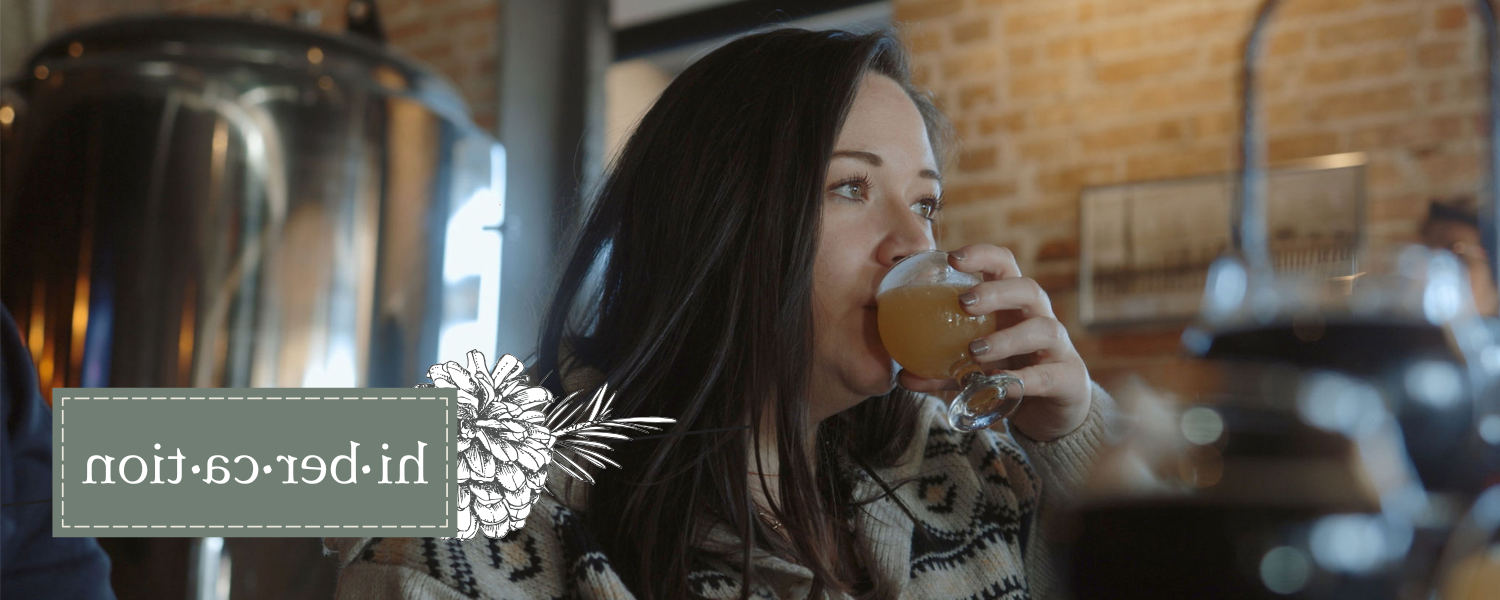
(194, 201)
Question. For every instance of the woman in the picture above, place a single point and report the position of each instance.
(738, 244)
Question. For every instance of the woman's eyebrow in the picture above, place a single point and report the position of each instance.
(869, 157)
(875, 160)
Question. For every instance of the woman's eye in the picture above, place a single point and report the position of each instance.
(927, 208)
(852, 191)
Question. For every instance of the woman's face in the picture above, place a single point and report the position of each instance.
(880, 194)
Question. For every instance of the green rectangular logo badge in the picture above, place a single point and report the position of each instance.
(261, 462)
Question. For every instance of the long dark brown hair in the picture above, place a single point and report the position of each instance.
(702, 240)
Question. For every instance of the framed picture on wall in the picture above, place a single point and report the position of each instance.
(1146, 246)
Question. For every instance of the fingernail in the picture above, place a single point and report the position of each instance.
(967, 298)
(957, 255)
(978, 347)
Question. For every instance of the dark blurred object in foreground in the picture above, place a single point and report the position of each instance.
(1286, 483)
(33, 564)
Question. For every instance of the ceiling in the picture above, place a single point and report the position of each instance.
(625, 13)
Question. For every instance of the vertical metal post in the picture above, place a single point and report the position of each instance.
(1247, 228)
(1489, 225)
(552, 63)
(209, 575)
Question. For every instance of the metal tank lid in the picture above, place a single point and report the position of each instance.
(208, 40)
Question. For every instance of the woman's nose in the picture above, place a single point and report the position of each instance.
(905, 237)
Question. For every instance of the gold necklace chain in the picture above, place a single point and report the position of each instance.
(775, 524)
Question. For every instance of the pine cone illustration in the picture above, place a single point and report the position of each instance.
(506, 440)
(503, 445)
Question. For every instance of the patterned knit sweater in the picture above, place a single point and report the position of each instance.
(985, 500)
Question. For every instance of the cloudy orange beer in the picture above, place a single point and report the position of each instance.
(926, 330)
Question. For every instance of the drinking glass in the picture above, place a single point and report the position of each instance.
(927, 332)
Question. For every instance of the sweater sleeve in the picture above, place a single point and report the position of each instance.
(1062, 465)
(373, 581)
(552, 556)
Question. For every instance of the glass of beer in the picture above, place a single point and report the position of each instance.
(927, 332)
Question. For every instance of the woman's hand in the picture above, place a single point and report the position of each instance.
(1030, 344)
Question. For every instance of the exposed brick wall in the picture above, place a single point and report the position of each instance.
(459, 38)
(1050, 96)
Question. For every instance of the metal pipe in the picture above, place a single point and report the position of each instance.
(1489, 235)
(1247, 229)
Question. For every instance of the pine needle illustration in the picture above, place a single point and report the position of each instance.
(510, 431)
(581, 438)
